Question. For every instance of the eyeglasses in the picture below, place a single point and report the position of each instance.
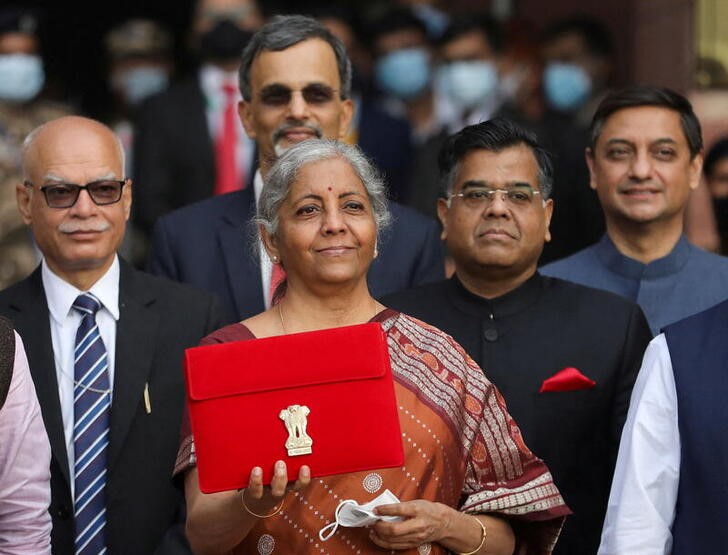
(280, 95)
(65, 195)
(517, 196)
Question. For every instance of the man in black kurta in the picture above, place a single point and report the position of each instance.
(564, 356)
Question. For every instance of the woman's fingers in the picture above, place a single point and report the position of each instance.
(255, 484)
(304, 478)
(259, 496)
(280, 479)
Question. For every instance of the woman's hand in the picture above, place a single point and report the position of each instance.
(260, 500)
(217, 523)
(429, 522)
(424, 522)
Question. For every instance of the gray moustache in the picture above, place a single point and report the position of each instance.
(85, 226)
(278, 133)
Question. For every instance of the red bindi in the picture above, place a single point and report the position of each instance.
(330, 189)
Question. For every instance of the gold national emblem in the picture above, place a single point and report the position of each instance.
(295, 417)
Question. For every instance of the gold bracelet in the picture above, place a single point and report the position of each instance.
(278, 510)
(482, 538)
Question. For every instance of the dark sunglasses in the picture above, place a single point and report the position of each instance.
(65, 195)
(280, 95)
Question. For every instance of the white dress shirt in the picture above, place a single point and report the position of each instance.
(641, 505)
(211, 82)
(266, 265)
(64, 322)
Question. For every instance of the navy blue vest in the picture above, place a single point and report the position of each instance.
(699, 352)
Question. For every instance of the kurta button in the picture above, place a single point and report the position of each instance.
(491, 334)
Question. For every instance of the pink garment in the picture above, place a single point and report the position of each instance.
(25, 459)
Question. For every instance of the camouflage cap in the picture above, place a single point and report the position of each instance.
(138, 38)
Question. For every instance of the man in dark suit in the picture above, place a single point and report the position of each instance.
(295, 81)
(564, 356)
(188, 144)
(105, 345)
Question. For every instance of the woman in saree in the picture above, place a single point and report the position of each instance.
(468, 485)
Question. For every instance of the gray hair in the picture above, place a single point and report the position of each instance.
(285, 170)
(284, 31)
(33, 135)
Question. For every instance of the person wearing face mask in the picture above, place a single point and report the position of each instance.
(22, 108)
(384, 138)
(577, 64)
(468, 80)
(140, 65)
(189, 144)
(139, 53)
(578, 54)
(403, 74)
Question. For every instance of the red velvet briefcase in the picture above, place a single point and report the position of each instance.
(322, 398)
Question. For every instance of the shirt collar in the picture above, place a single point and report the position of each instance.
(628, 267)
(61, 295)
(513, 302)
(212, 79)
(257, 185)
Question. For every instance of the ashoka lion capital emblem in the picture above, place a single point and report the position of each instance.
(295, 419)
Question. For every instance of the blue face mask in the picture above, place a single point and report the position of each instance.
(404, 73)
(140, 83)
(21, 77)
(468, 83)
(567, 86)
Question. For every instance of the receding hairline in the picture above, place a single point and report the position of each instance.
(93, 126)
(305, 41)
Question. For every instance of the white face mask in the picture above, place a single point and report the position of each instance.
(352, 515)
(140, 83)
(468, 83)
(21, 77)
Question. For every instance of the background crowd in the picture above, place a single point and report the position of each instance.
(543, 211)
(421, 71)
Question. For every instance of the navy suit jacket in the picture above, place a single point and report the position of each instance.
(174, 161)
(211, 245)
(157, 321)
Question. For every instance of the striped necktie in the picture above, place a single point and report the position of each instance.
(92, 400)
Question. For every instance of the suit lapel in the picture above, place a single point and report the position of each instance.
(32, 314)
(241, 262)
(136, 335)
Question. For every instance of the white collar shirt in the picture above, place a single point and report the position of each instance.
(266, 268)
(64, 322)
(212, 79)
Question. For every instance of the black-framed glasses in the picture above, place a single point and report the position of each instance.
(517, 196)
(280, 95)
(65, 195)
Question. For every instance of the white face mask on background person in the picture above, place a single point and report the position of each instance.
(21, 77)
(404, 73)
(468, 83)
(567, 86)
(139, 83)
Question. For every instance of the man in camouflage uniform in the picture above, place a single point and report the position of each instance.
(21, 110)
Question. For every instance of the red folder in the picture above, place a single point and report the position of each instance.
(329, 392)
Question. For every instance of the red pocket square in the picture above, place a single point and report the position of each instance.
(567, 379)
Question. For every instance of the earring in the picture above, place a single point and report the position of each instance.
(274, 258)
